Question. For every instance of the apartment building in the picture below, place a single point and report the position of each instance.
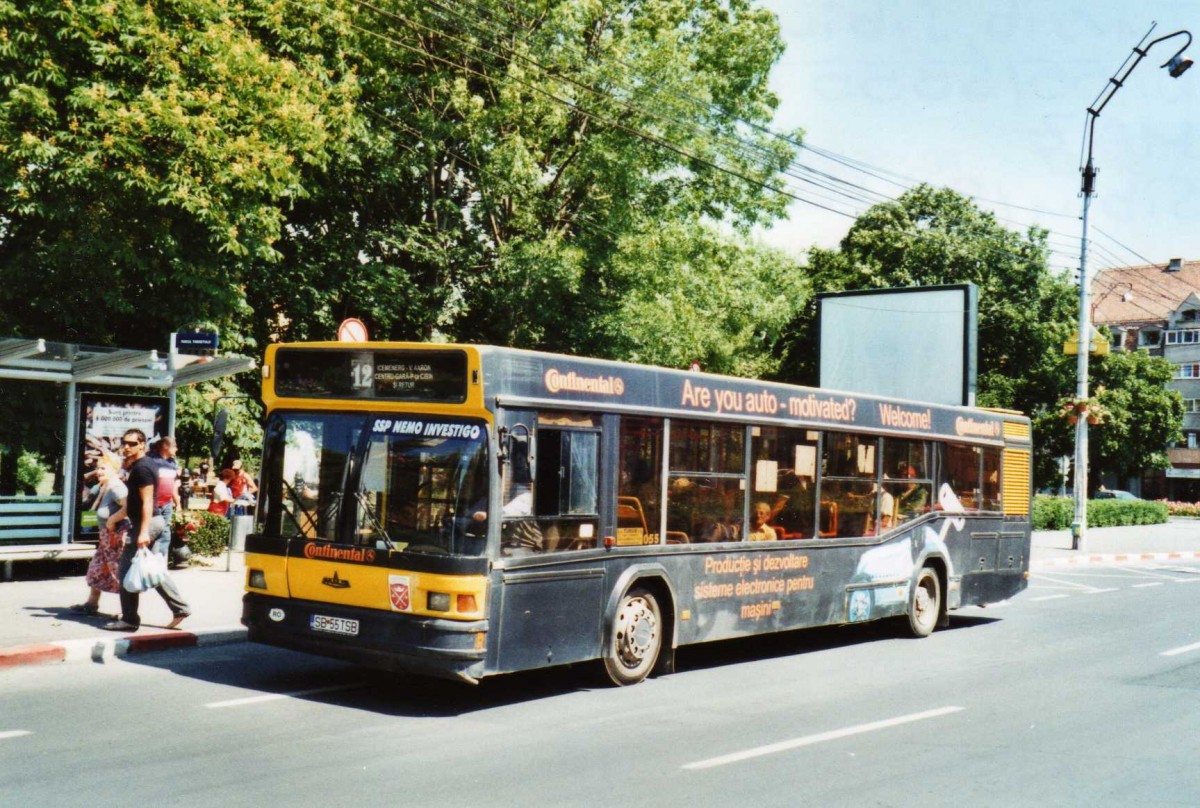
(1157, 307)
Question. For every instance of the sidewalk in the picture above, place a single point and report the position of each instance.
(1177, 540)
(37, 625)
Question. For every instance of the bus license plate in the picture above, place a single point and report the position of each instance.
(334, 625)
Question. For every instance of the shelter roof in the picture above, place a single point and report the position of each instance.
(63, 362)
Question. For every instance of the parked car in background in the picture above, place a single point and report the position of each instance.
(1107, 493)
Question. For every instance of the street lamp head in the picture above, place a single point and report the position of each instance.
(1177, 66)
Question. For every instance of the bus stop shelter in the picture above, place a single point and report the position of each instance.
(42, 527)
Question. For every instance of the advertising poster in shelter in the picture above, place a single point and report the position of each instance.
(104, 419)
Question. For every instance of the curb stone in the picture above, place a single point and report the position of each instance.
(1112, 558)
(105, 648)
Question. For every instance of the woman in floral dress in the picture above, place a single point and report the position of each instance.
(110, 513)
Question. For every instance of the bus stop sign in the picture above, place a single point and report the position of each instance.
(191, 342)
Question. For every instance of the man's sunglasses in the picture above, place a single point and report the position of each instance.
(131, 442)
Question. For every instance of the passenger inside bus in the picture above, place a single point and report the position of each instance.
(913, 499)
(760, 530)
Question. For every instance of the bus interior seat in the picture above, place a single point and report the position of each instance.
(829, 516)
(630, 513)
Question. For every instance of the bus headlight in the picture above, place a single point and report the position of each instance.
(256, 579)
(439, 602)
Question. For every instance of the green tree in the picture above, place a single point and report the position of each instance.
(511, 156)
(698, 296)
(149, 150)
(481, 173)
(1141, 417)
(197, 407)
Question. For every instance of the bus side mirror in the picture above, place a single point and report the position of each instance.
(514, 447)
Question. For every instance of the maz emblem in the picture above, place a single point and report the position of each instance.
(336, 582)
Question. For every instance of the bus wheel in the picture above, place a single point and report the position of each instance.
(636, 638)
(925, 605)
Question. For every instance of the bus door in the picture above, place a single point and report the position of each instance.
(552, 586)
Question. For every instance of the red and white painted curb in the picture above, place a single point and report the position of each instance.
(1114, 558)
(99, 649)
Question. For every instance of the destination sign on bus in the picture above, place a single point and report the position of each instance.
(439, 376)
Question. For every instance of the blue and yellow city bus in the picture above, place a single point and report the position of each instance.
(464, 511)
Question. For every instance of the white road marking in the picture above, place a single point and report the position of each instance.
(216, 705)
(1049, 597)
(14, 733)
(1183, 649)
(1074, 585)
(1119, 572)
(1143, 586)
(1100, 591)
(809, 740)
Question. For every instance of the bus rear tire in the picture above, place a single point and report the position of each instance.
(636, 638)
(925, 603)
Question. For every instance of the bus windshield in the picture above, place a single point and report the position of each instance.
(389, 481)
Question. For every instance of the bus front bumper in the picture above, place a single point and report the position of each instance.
(447, 649)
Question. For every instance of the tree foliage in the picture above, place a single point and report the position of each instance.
(697, 297)
(147, 151)
(556, 174)
(474, 172)
(512, 155)
(1141, 417)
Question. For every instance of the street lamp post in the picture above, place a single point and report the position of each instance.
(1176, 66)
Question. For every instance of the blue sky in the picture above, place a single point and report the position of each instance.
(989, 97)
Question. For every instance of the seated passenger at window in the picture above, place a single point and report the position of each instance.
(760, 530)
(887, 514)
(913, 498)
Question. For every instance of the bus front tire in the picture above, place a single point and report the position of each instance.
(925, 604)
(635, 640)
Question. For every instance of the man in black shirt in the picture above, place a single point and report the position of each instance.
(142, 482)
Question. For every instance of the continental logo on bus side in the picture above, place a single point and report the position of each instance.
(326, 552)
(980, 429)
(574, 383)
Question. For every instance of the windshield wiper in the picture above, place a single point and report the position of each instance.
(365, 502)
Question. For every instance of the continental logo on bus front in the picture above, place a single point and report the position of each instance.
(574, 383)
(361, 555)
(978, 429)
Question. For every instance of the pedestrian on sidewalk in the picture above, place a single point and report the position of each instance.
(185, 487)
(146, 531)
(109, 506)
(221, 496)
(166, 492)
(242, 486)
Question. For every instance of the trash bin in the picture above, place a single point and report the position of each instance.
(239, 528)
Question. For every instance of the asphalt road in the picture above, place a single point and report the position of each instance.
(1081, 691)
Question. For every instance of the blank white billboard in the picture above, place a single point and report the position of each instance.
(917, 343)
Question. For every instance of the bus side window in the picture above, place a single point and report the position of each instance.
(639, 481)
(961, 471)
(565, 492)
(991, 479)
(784, 469)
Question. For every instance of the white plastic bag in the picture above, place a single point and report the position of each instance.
(146, 571)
